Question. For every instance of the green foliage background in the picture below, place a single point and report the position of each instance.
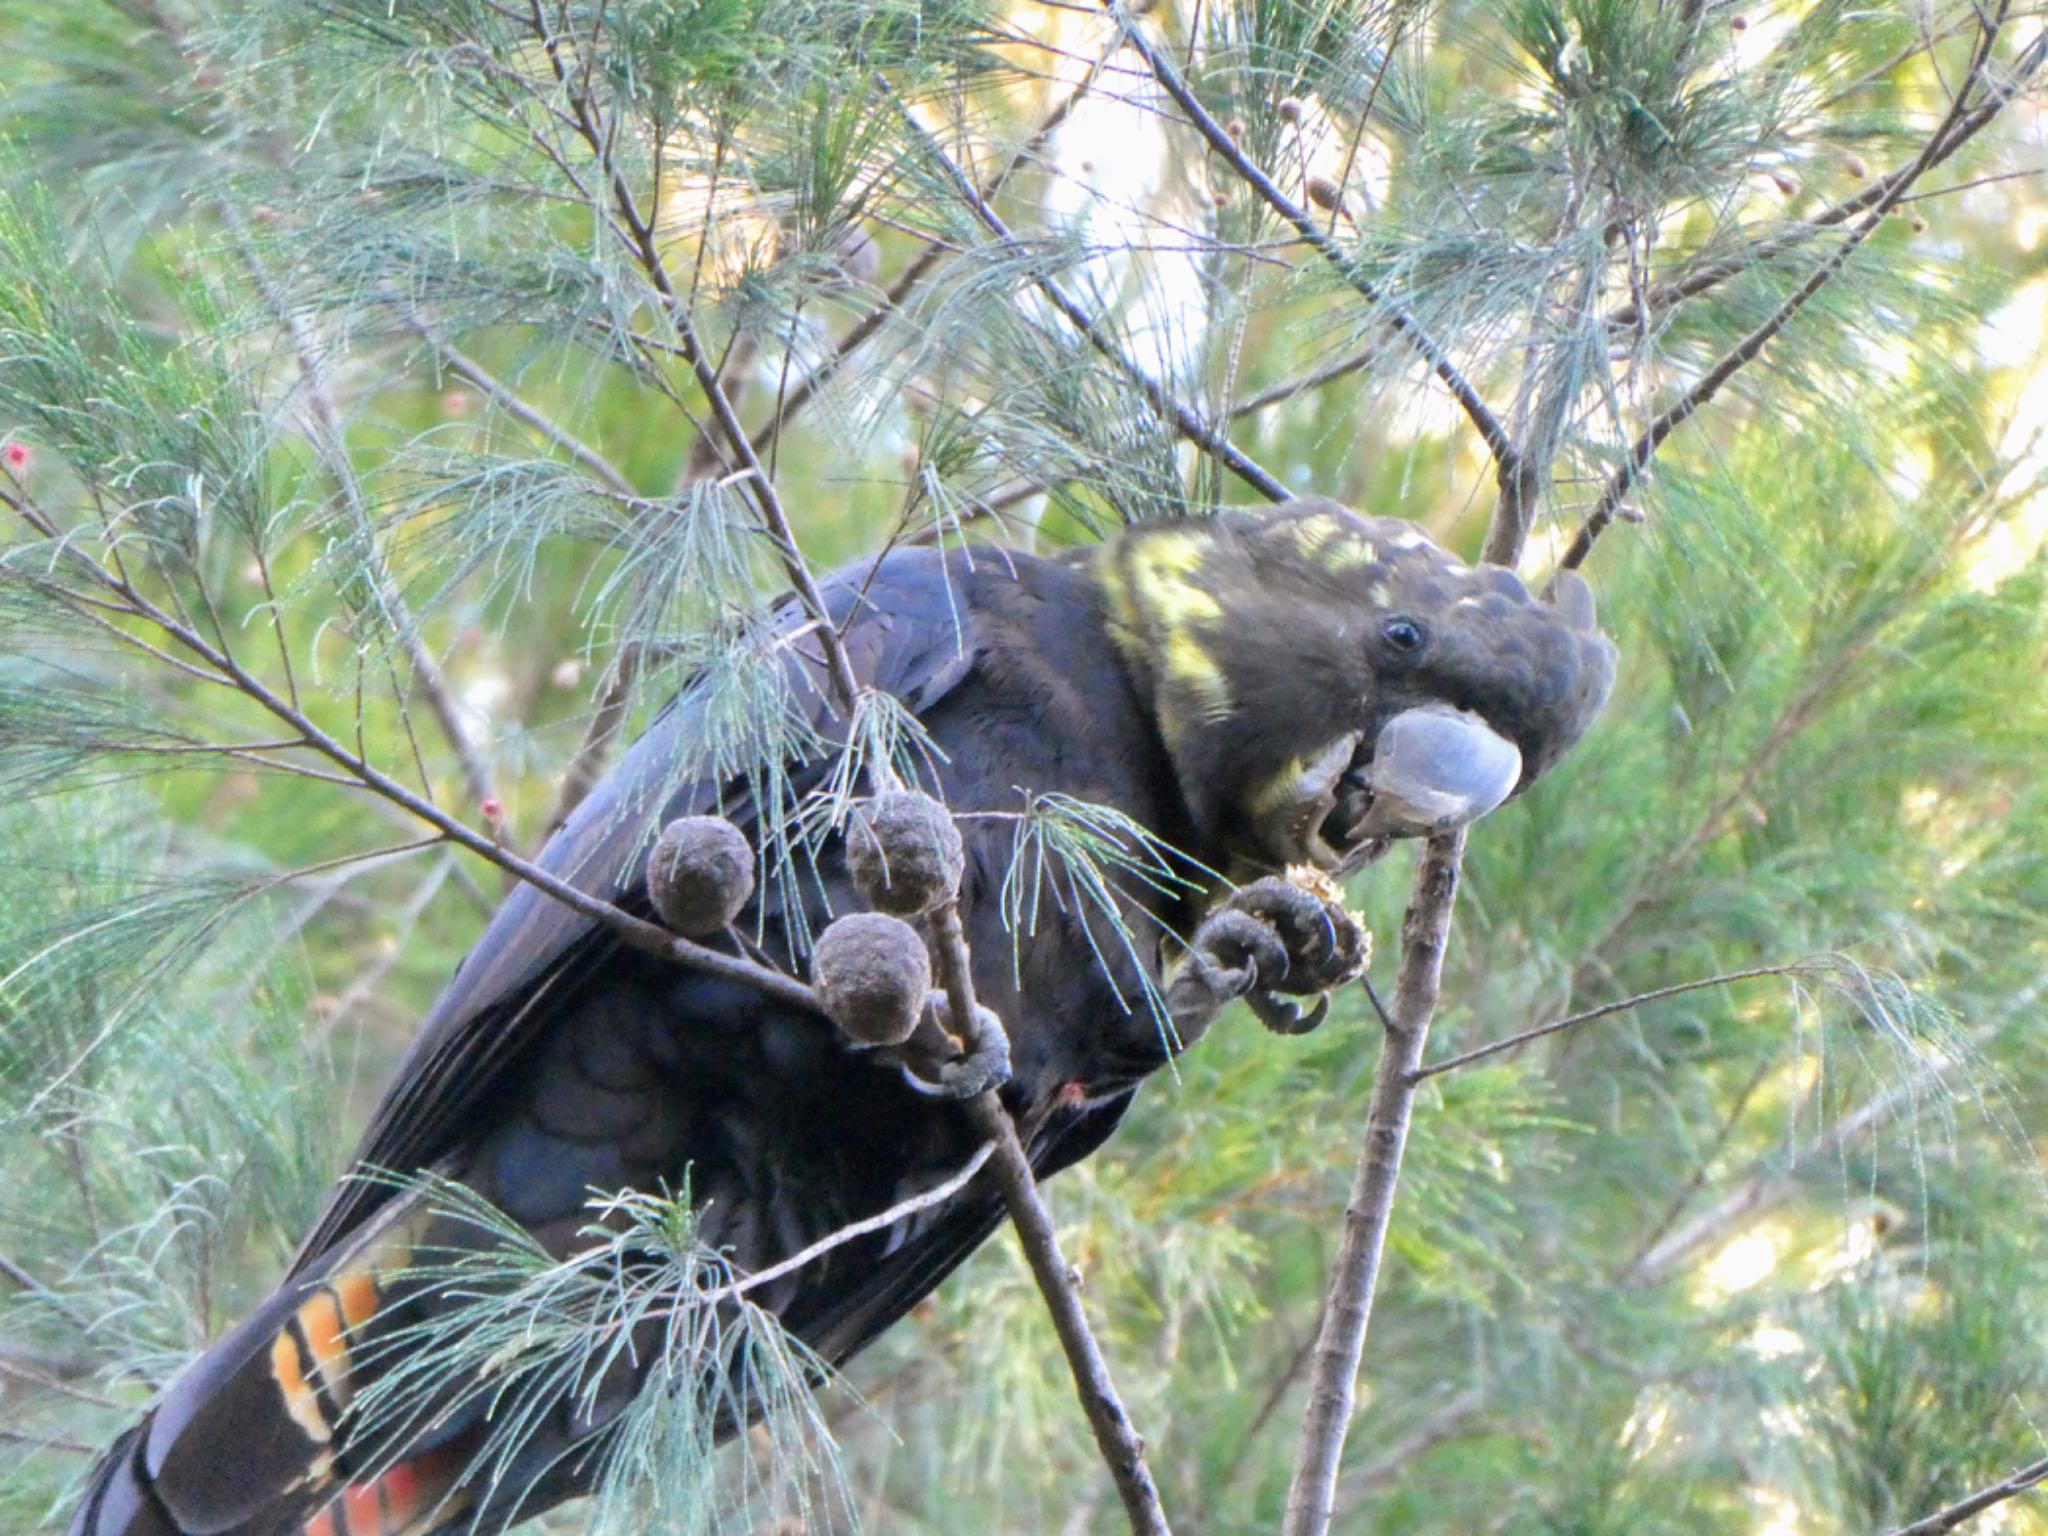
(1760, 1258)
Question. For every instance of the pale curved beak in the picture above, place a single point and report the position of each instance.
(1431, 769)
(1434, 769)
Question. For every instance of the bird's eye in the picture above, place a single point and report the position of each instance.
(1402, 634)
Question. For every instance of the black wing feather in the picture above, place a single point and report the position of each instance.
(497, 1004)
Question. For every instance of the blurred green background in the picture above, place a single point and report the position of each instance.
(1762, 1258)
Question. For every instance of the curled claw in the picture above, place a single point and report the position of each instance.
(1324, 945)
(1244, 948)
(1285, 1015)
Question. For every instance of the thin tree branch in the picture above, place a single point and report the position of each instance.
(1449, 1418)
(1632, 468)
(1820, 693)
(938, 1195)
(1316, 378)
(1605, 1010)
(30, 1375)
(1505, 455)
(1333, 1380)
(2026, 1480)
(1702, 1165)
(1665, 295)
(1122, 1448)
(641, 240)
(864, 330)
(48, 1442)
(634, 932)
(1209, 439)
(368, 980)
(34, 1287)
(587, 766)
(1768, 1185)
(518, 408)
(333, 444)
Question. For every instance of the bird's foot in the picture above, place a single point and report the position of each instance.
(1285, 1015)
(1325, 944)
(1271, 942)
(941, 1065)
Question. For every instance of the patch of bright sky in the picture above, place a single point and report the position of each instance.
(2015, 338)
(1129, 187)
(1744, 1262)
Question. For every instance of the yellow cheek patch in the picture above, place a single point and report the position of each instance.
(1278, 793)
(1163, 567)
(1123, 611)
(1195, 670)
(1311, 534)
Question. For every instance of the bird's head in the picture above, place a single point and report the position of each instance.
(1326, 682)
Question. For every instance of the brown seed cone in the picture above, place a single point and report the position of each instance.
(700, 874)
(871, 974)
(904, 853)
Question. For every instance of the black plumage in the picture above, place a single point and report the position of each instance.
(1220, 683)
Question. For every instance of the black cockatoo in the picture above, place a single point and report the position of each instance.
(1295, 686)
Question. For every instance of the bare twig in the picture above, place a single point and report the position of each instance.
(707, 458)
(1633, 467)
(587, 766)
(1665, 295)
(34, 1287)
(515, 405)
(1770, 1183)
(1311, 1499)
(368, 980)
(222, 668)
(1505, 455)
(1121, 1446)
(637, 230)
(864, 330)
(1605, 1010)
(1315, 378)
(1447, 1419)
(48, 1442)
(1209, 439)
(333, 446)
(1122, 1449)
(50, 1382)
(1276, 1393)
(2026, 1480)
(937, 1195)
(1703, 1165)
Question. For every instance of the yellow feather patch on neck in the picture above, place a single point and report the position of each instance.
(1157, 607)
(1193, 669)
(1163, 566)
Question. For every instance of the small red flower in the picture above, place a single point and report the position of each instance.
(492, 810)
(16, 456)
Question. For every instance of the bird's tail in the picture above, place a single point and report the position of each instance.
(246, 1442)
